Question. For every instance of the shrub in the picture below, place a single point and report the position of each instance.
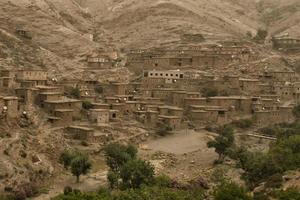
(87, 105)
(75, 92)
(230, 191)
(243, 123)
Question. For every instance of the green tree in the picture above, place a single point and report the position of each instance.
(80, 165)
(137, 172)
(77, 161)
(223, 142)
(118, 154)
(66, 158)
(230, 191)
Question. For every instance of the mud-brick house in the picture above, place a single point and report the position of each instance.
(279, 76)
(11, 106)
(284, 114)
(49, 96)
(99, 116)
(61, 117)
(51, 106)
(27, 96)
(114, 88)
(151, 118)
(7, 79)
(46, 88)
(38, 76)
(170, 111)
(250, 86)
(232, 103)
(100, 62)
(165, 94)
(194, 101)
(161, 78)
(172, 122)
(79, 132)
(178, 98)
(28, 84)
(204, 60)
(286, 43)
(101, 105)
(132, 106)
(208, 115)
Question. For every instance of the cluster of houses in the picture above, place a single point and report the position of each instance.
(209, 56)
(160, 99)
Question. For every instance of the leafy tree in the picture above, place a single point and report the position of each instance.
(80, 164)
(137, 172)
(230, 191)
(223, 142)
(77, 161)
(117, 155)
(66, 158)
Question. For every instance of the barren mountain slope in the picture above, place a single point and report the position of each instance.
(61, 29)
(281, 16)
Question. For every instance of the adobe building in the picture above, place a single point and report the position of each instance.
(73, 104)
(7, 79)
(100, 62)
(289, 44)
(27, 96)
(114, 88)
(172, 122)
(99, 116)
(12, 106)
(38, 76)
(62, 117)
(79, 132)
(250, 86)
(101, 105)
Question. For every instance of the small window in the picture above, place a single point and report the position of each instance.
(167, 74)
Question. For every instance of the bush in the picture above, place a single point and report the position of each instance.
(87, 105)
(261, 35)
(230, 191)
(75, 92)
(243, 123)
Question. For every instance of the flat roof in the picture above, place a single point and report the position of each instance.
(10, 98)
(170, 107)
(63, 101)
(168, 117)
(64, 110)
(99, 110)
(81, 128)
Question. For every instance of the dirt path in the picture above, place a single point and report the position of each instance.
(181, 142)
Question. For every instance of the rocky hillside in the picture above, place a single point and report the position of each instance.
(61, 30)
